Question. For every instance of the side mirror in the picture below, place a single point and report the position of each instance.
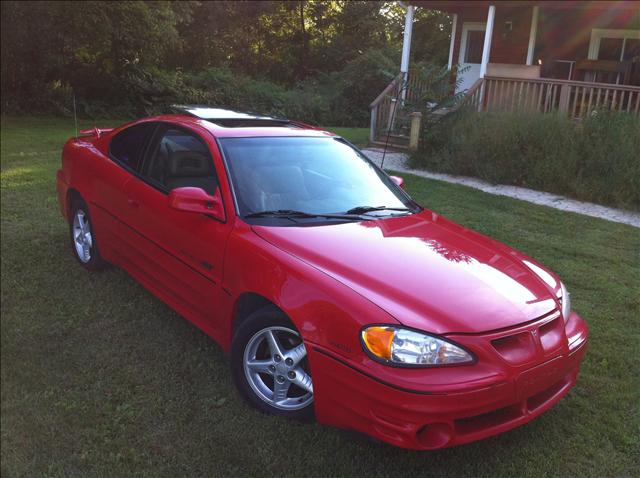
(197, 200)
(398, 180)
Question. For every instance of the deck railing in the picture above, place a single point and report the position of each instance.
(386, 115)
(383, 108)
(578, 99)
(473, 96)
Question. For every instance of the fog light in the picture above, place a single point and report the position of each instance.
(435, 435)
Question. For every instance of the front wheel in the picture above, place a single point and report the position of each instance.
(83, 239)
(270, 367)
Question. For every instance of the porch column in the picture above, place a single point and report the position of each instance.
(406, 42)
(454, 26)
(488, 34)
(532, 35)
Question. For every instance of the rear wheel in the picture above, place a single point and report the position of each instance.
(83, 240)
(270, 366)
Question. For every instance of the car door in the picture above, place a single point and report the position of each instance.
(109, 176)
(178, 254)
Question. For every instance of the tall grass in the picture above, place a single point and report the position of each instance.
(597, 160)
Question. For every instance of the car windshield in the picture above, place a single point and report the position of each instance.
(308, 175)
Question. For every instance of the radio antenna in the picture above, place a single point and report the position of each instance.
(75, 115)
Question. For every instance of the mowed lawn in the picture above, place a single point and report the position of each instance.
(99, 378)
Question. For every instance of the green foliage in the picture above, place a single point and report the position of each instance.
(340, 98)
(430, 36)
(89, 47)
(594, 161)
(317, 61)
(609, 168)
(351, 90)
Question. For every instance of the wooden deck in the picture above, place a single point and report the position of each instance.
(577, 99)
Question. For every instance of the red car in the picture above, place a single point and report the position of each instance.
(336, 295)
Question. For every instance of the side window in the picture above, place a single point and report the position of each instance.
(127, 147)
(181, 159)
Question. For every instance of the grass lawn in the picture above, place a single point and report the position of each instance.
(358, 136)
(101, 379)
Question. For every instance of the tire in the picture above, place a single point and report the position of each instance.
(269, 365)
(82, 235)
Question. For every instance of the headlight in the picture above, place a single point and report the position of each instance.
(398, 346)
(565, 300)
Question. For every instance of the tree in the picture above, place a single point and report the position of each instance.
(134, 54)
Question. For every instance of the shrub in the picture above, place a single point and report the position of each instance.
(357, 85)
(595, 161)
(609, 170)
(337, 98)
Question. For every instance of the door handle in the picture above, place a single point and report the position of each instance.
(132, 202)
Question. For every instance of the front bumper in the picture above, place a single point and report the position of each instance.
(348, 397)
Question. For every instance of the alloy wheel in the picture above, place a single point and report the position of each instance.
(276, 367)
(82, 238)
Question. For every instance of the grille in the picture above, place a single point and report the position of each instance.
(540, 340)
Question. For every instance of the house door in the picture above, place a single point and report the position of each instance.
(471, 44)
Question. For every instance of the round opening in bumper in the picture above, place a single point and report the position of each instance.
(434, 435)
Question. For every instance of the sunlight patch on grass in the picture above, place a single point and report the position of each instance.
(17, 177)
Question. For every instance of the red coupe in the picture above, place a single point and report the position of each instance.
(336, 295)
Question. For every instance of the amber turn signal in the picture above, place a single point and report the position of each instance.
(378, 341)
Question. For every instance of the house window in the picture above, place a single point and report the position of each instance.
(619, 46)
(611, 49)
(632, 53)
(625, 50)
(631, 50)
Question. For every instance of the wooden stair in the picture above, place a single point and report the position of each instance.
(396, 141)
(387, 113)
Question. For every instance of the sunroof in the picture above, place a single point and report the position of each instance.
(230, 118)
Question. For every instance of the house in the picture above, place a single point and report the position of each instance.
(569, 56)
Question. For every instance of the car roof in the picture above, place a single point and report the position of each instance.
(222, 115)
(247, 125)
(224, 122)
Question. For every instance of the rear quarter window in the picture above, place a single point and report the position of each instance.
(127, 147)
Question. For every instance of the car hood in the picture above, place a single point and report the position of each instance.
(426, 271)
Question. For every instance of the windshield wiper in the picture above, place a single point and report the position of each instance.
(366, 209)
(286, 213)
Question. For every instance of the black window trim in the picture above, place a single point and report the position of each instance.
(153, 126)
